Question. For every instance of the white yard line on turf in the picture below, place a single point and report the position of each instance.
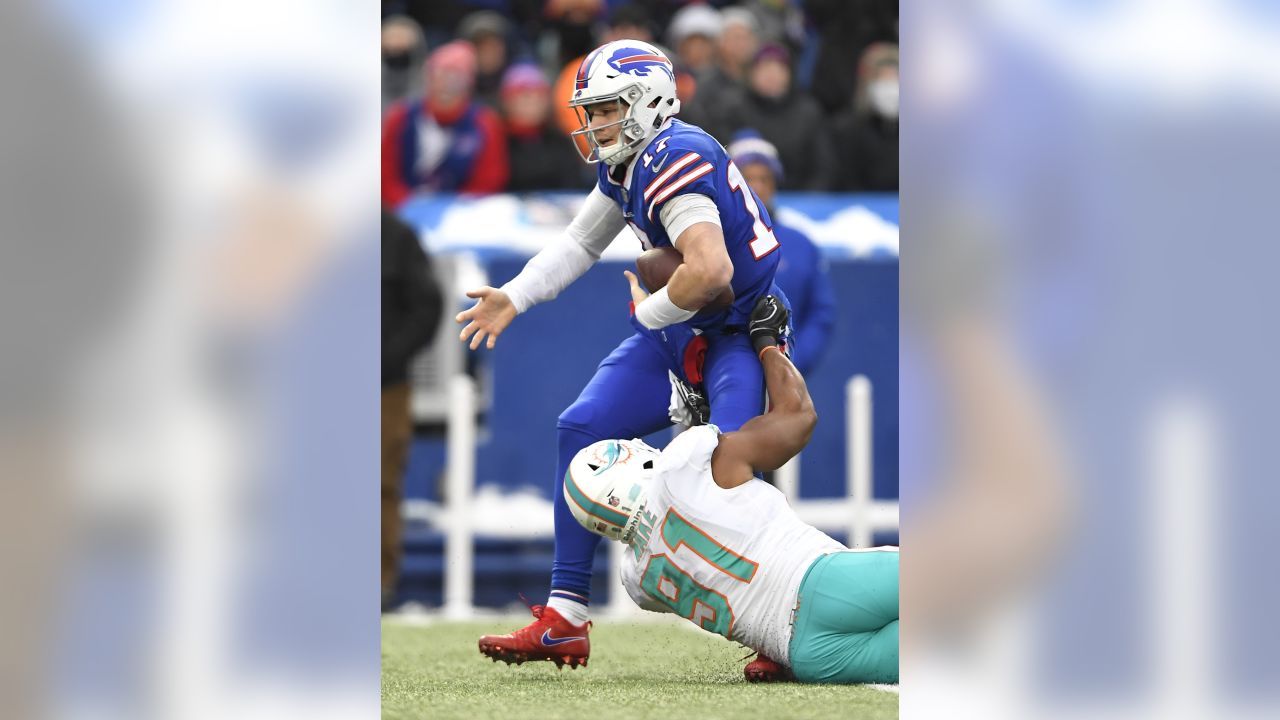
(885, 688)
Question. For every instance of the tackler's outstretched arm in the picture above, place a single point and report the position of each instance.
(768, 441)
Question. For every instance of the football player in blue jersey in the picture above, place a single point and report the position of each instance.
(673, 184)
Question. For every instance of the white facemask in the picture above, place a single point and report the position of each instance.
(883, 96)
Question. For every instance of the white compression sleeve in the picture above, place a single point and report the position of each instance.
(565, 260)
(683, 211)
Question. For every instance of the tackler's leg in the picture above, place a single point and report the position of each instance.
(846, 630)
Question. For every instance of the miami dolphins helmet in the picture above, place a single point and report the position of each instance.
(607, 486)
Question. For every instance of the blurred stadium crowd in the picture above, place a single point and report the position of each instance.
(474, 91)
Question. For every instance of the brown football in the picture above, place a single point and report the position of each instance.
(655, 268)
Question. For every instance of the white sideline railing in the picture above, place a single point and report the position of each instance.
(860, 515)
(459, 578)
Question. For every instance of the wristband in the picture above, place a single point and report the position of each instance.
(767, 347)
(657, 311)
(762, 340)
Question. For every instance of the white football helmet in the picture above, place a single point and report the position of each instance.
(608, 484)
(642, 78)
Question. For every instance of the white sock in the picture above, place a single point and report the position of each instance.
(572, 610)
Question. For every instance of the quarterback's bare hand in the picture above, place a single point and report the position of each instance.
(637, 293)
(488, 317)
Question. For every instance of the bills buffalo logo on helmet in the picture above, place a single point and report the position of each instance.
(629, 60)
(638, 61)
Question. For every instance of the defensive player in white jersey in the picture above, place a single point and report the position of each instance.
(710, 542)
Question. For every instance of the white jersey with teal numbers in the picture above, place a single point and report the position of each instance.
(731, 561)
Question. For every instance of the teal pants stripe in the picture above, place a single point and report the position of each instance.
(846, 623)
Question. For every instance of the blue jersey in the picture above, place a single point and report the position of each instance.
(680, 159)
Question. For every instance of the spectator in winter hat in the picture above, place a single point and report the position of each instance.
(867, 136)
(739, 43)
(445, 141)
(790, 120)
(736, 46)
(542, 157)
(693, 34)
(487, 32)
(403, 52)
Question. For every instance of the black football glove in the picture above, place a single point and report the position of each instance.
(768, 322)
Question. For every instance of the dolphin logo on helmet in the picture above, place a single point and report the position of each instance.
(606, 487)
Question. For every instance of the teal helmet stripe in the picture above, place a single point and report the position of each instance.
(592, 507)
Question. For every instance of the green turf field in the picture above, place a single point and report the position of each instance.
(641, 670)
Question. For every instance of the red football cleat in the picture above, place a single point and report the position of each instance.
(548, 637)
(763, 669)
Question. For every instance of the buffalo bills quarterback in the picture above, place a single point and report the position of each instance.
(674, 185)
